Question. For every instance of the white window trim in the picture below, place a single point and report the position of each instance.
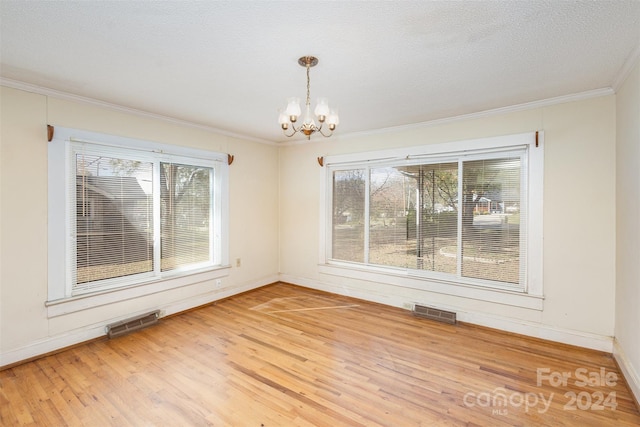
(60, 299)
(73, 304)
(532, 297)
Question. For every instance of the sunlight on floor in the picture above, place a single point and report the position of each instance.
(305, 303)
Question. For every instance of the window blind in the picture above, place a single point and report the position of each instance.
(185, 206)
(349, 187)
(136, 215)
(492, 239)
(113, 218)
(461, 215)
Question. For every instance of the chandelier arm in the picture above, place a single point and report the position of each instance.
(322, 133)
(319, 130)
(293, 128)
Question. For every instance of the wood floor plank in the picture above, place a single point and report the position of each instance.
(283, 355)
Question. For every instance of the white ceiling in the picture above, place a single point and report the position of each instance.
(230, 65)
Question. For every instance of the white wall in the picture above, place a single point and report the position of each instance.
(275, 221)
(25, 329)
(627, 330)
(579, 220)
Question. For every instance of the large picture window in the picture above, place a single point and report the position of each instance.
(449, 214)
(133, 213)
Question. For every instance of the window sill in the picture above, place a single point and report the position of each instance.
(74, 304)
(401, 278)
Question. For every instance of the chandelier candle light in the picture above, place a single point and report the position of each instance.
(323, 113)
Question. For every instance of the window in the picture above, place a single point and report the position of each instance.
(132, 212)
(457, 213)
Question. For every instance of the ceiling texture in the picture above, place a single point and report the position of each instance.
(230, 65)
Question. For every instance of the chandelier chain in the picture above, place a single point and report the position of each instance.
(308, 85)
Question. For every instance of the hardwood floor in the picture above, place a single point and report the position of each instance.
(289, 356)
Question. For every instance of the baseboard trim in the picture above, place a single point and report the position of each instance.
(536, 330)
(628, 371)
(59, 342)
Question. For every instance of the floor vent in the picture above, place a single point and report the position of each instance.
(434, 314)
(134, 324)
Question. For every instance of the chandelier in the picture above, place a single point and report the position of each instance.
(322, 112)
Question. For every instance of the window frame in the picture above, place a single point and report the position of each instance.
(530, 296)
(62, 297)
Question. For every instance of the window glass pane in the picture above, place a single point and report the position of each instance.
(491, 220)
(391, 236)
(185, 206)
(348, 215)
(413, 222)
(436, 217)
(113, 218)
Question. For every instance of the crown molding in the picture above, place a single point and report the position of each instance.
(343, 136)
(40, 90)
(624, 72)
(488, 113)
(580, 96)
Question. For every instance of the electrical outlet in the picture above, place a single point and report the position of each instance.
(218, 283)
(238, 262)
